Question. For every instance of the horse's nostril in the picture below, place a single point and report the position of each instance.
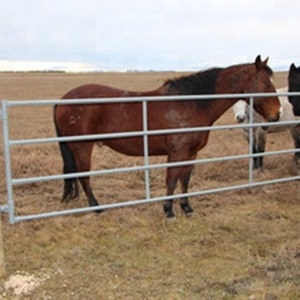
(274, 118)
(279, 114)
(240, 119)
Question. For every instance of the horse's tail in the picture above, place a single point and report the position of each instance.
(70, 184)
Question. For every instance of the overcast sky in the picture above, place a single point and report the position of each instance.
(149, 34)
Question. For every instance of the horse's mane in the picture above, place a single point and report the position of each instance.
(293, 79)
(203, 82)
(269, 70)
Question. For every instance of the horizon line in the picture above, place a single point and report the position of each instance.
(30, 66)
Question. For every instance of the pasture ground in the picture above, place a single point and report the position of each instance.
(237, 245)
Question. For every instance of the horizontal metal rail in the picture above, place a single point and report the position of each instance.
(127, 134)
(143, 98)
(153, 199)
(28, 180)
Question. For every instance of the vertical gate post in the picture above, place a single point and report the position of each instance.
(2, 264)
(10, 201)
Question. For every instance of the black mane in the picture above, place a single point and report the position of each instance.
(294, 86)
(200, 83)
(294, 79)
(269, 70)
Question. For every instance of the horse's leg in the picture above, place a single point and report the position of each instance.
(256, 160)
(185, 176)
(295, 132)
(171, 181)
(178, 173)
(246, 131)
(85, 183)
(184, 180)
(259, 145)
(83, 153)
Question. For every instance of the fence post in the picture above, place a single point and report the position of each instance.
(251, 141)
(2, 264)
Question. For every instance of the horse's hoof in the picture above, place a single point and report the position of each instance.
(187, 209)
(99, 211)
(168, 211)
(170, 214)
(189, 214)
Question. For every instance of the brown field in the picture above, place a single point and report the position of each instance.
(237, 245)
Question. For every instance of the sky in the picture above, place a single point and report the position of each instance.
(104, 35)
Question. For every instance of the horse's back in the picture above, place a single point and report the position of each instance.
(94, 91)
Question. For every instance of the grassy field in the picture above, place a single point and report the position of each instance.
(237, 245)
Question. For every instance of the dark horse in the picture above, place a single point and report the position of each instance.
(115, 117)
(294, 86)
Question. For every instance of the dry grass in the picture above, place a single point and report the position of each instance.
(237, 245)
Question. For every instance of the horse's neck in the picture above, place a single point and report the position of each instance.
(232, 80)
(229, 82)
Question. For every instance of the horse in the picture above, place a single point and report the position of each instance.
(294, 86)
(113, 117)
(241, 112)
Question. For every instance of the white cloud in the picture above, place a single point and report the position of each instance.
(19, 65)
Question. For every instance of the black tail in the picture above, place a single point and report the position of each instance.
(71, 184)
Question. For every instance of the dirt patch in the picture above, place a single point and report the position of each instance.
(23, 284)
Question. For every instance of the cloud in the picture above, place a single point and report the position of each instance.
(19, 65)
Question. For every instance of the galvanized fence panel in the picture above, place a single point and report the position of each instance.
(11, 182)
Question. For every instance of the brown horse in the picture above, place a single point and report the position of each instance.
(83, 119)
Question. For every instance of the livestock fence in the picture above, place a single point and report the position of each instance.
(11, 182)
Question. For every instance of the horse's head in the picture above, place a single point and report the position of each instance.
(294, 86)
(240, 111)
(259, 80)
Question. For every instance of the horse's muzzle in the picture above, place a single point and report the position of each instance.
(274, 118)
(240, 119)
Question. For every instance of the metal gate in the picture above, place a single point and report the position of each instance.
(11, 183)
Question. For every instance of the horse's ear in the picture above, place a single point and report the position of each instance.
(258, 63)
(265, 62)
(258, 59)
(292, 69)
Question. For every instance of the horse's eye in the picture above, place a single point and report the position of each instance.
(268, 85)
